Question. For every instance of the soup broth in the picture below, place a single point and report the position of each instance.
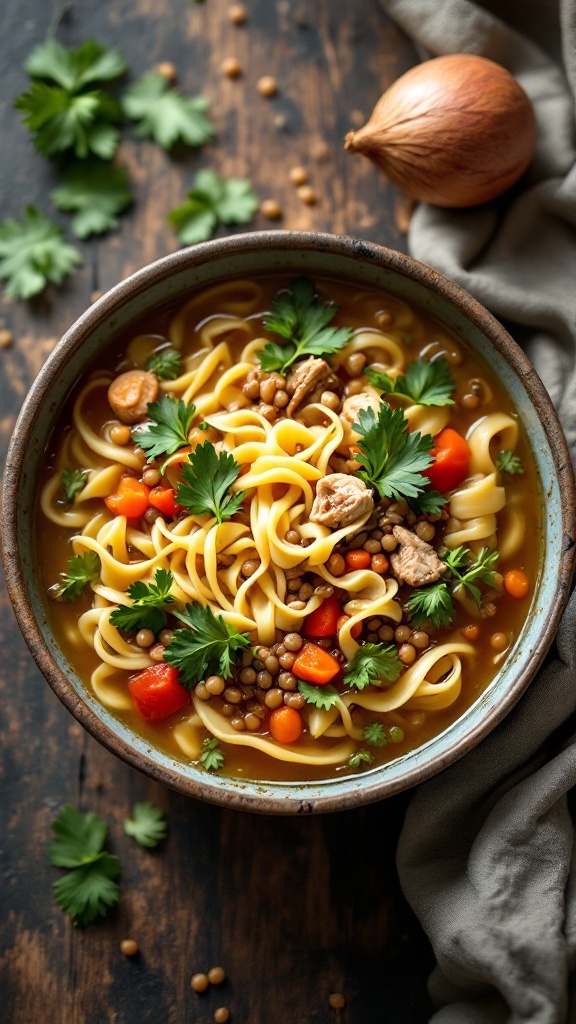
(281, 554)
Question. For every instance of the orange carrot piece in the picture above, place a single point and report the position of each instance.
(358, 559)
(286, 725)
(516, 583)
(132, 498)
(315, 665)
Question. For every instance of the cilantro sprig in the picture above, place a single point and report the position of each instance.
(89, 889)
(431, 502)
(373, 664)
(302, 319)
(375, 734)
(33, 254)
(95, 192)
(207, 647)
(208, 476)
(82, 569)
(212, 201)
(73, 483)
(423, 383)
(323, 697)
(435, 603)
(507, 462)
(431, 604)
(166, 364)
(164, 114)
(171, 420)
(211, 758)
(147, 825)
(393, 459)
(360, 757)
(149, 601)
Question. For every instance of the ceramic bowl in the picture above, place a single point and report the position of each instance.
(169, 280)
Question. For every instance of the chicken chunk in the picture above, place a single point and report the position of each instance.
(130, 393)
(340, 500)
(349, 414)
(415, 562)
(304, 379)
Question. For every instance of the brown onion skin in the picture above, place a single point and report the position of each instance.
(454, 131)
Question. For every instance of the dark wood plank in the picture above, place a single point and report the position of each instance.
(293, 909)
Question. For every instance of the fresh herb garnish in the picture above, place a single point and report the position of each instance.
(89, 889)
(147, 610)
(95, 192)
(64, 109)
(164, 114)
(73, 482)
(423, 383)
(393, 458)
(302, 319)
(481, 569)
(211, 757)
(359, 758)
(434, 603)
(430, 502)
(82, 569)
(168, 431)
(373, 664)
(431, 604)
(166, 364)
(375, 734)
(147, 824)
(212, 201)
(207, 478)
(395, 734)
(323, 697)
(207, 647)
(507, 462)
(33, 254)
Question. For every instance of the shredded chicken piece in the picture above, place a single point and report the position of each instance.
(415, 562)
(304, 379)
(340, 499)
(349, 414)
(130, 393)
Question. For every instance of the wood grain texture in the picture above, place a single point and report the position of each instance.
(292, 909)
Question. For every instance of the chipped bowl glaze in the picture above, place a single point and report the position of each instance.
(171, 279)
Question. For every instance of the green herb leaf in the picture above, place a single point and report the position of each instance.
(373, 664)
(393, 458)
(169, 429)
(323, 697)
(207, 477)
(89, 890)
(95, 192)
(79, 838)
(207, 647)
(147, 610)
(164, 114)
(147, 825)
(33, 253)
(507, 462)
(213, 200)
(359, 758)
(211, 757)
(302, 319)
(423, 384)
(73, 482)
(166, 364)
(82, 569)
(73, 69)
(431, 502)
(479, 569)
(375, 734)
(433, 603)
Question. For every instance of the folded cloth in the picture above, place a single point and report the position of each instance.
(487, 856)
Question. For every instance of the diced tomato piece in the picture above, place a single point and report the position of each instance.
(132, 498)
(315, 665)
(163, 498)
(157, 693)
(323, 620)
(451, 460)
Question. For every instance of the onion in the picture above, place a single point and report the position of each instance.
(453, 131)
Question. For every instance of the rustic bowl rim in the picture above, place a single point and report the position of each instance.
(372, 787)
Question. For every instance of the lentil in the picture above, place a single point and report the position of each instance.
(385, 634)
(252, 722)
(237, 724)
(420, 640)
(286, 681)
(355, 364)
(384, 318)
(251, 390)
(6, 338)
(269, 412)
(274, 698)
(402, 634)
(470, 401)
(287, 660)
(297, 606)
(120, 434)
(379, 563)
(216, 684)
(372, 545)
(281, 399)
(199, 982)
(271, 209)
(337, 1001)
(129, 947)
(471, 632)
(272, 664)
(165, 636)
(250, 566)
(499, 641)
(267, 85)
(145, 638)
(231, 67)
(221, 1015)
(330, 400)
(202, 691)
(233, 695)
(292, 537)
(294, 700)
(353, 387)
(216, 975)
(167, 70)
(157, 652)
(268, 389)
(293, 641)
(424, 530)
(336, 565)
(238, 15)
(264, 679)
(307, 195)
(151, 477)
(151, 515)
(298, 175)
(306, 591)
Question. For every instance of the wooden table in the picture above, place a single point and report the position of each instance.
(293, 909)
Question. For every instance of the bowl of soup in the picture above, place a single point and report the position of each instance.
(287, 521)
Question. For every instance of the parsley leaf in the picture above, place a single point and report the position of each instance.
(33, 253)
(73, 482)
(147, 825)
(423, 384)
(95, 192)
(207, 647)
(507, 462)
(323, 697)
(211, 757)
(61, 109)
(375, 734)
(433, 603)
(89, 889)
(166, 364)
(480, 569)
(171, 422)
(431, 502)
(213, 200)
(302, 319)
(82, 569)
(393, 458)
(207, 477)
(359, 758)
(164, 114)
(147, 609)
(373, 664)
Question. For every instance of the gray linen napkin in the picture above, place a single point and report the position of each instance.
(487, 856)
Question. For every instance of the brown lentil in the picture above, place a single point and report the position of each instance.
(454, 358)
(157, 652)
(238, 724)
(151, 515)
(272, 664)
(268, 389)
(385, 634)
(294, 700)
(402, 634)
(298, 175)
(269, 412)
(384, 318)
(294, 585)
(129, 947)
(281, 399)
(470, 401)
(420, 640)
(286, 681)
(407, 654)
(297, 606)
(331, 400)
(216, 684)
(202, 691)
(274, 698)
(199, 982)
(379, 563)
(165, 636)
(267, 85)
(233, 695)
(389, 542)
(231, 67)
(306, 591)
(167, 70)
(287, 660)
(251, 390)
(424, 530)
(353, 387)
(6, 338)
(145, 638)
(252, 722)
(498, 641)
(325, 590)
(306, 194)
(337, 1001)
(151, 477)
(238, 15)
(372, 545)
(292, 537)
(264, 679)
(471, 632)
(221, 1015)
(293, 641)
(120, 434)
(216, 975)
(271, 209)
(355, 364)
(250, 566)
(336, 565)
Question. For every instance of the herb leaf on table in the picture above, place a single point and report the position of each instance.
(212, 201)
(95, 192)
(164, 114)
(302, 319)
(89, 889)
(147, 825)
(33, 254)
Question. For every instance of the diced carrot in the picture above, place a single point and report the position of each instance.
(322, 621)
(516, 583)
(286, 725)
(131, 499)
(358, 559)
(157, 693)
(315, 665)
(163, 498)
(354, 632)
(451, 459)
